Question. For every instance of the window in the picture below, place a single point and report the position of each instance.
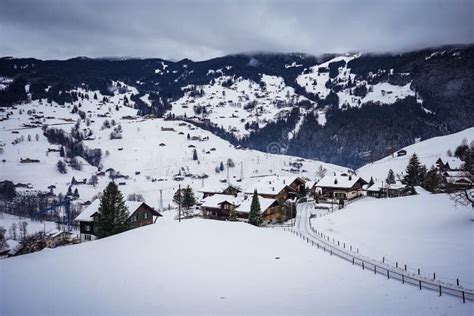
(134, 218)
(87, 228)
(145, 215)
(87, 237)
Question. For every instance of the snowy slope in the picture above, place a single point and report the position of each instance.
(426, 231)
(428, 151)
(205, 267)
(245, 101)
(6, 220)
(139, 151)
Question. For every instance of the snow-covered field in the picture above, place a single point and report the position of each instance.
(204, 267)
(426, 231)
(428, 152)
(6, 221)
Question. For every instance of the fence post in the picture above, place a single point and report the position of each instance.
(403, 279)
(357, 250)
(418, 271)
(419, 282)
(351, 248)
(396, 264)
(440, 290)
(331, 252)
(388, 274)
(383, 260)
(463, 297)
(375, 269)
(344, 245)
(353, 260)
(434, 275)
(363, 265)
(457, 281)
(405, 267)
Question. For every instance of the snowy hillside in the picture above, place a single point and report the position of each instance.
(251, 99)
(428, 152)
(152, 154)
(426, 231)
(206, 267)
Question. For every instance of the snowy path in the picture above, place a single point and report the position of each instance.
(304, 229)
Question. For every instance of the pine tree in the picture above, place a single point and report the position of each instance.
(413, 172)
(221, 166)
(61, 152)
(195, 155)
(76, 193)
(188, 198)
(112, 216)
(390, 177)
(432, 180)
(255, 217)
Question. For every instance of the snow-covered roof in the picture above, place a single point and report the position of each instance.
(457, 173)
(244, 207)
(270, 185)
(215, 200)
(56, 232)
(378, 186)
(454, 180)
(86, 215)
(213, 188)
(338, 180)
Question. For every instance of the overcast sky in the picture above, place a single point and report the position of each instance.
(58, 29)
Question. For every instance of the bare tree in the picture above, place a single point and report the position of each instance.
(12, 231)
(321, 172)
(23, 230)
(465, 197)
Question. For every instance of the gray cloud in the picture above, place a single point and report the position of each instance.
(55, 29)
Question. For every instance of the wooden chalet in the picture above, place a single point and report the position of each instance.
(212, 190)
(140, 214)
(455, 180)
(219, 206)
(384, 190)
(278, 188)
(402, 152)
(341, 186)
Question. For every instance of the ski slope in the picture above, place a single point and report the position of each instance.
(205, 267)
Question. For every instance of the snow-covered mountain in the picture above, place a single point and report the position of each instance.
(345, 109)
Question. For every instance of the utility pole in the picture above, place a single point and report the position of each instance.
(241, 170)
(160, 207)
(179, 204)
(228, 178)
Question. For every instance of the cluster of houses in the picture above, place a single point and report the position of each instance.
(277, 196)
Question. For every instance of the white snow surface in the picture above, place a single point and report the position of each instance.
(137, 151)
(6, 220)
(426, 231)
(428, 152)
(203, 267)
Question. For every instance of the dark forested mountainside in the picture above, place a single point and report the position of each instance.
(441, 81)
